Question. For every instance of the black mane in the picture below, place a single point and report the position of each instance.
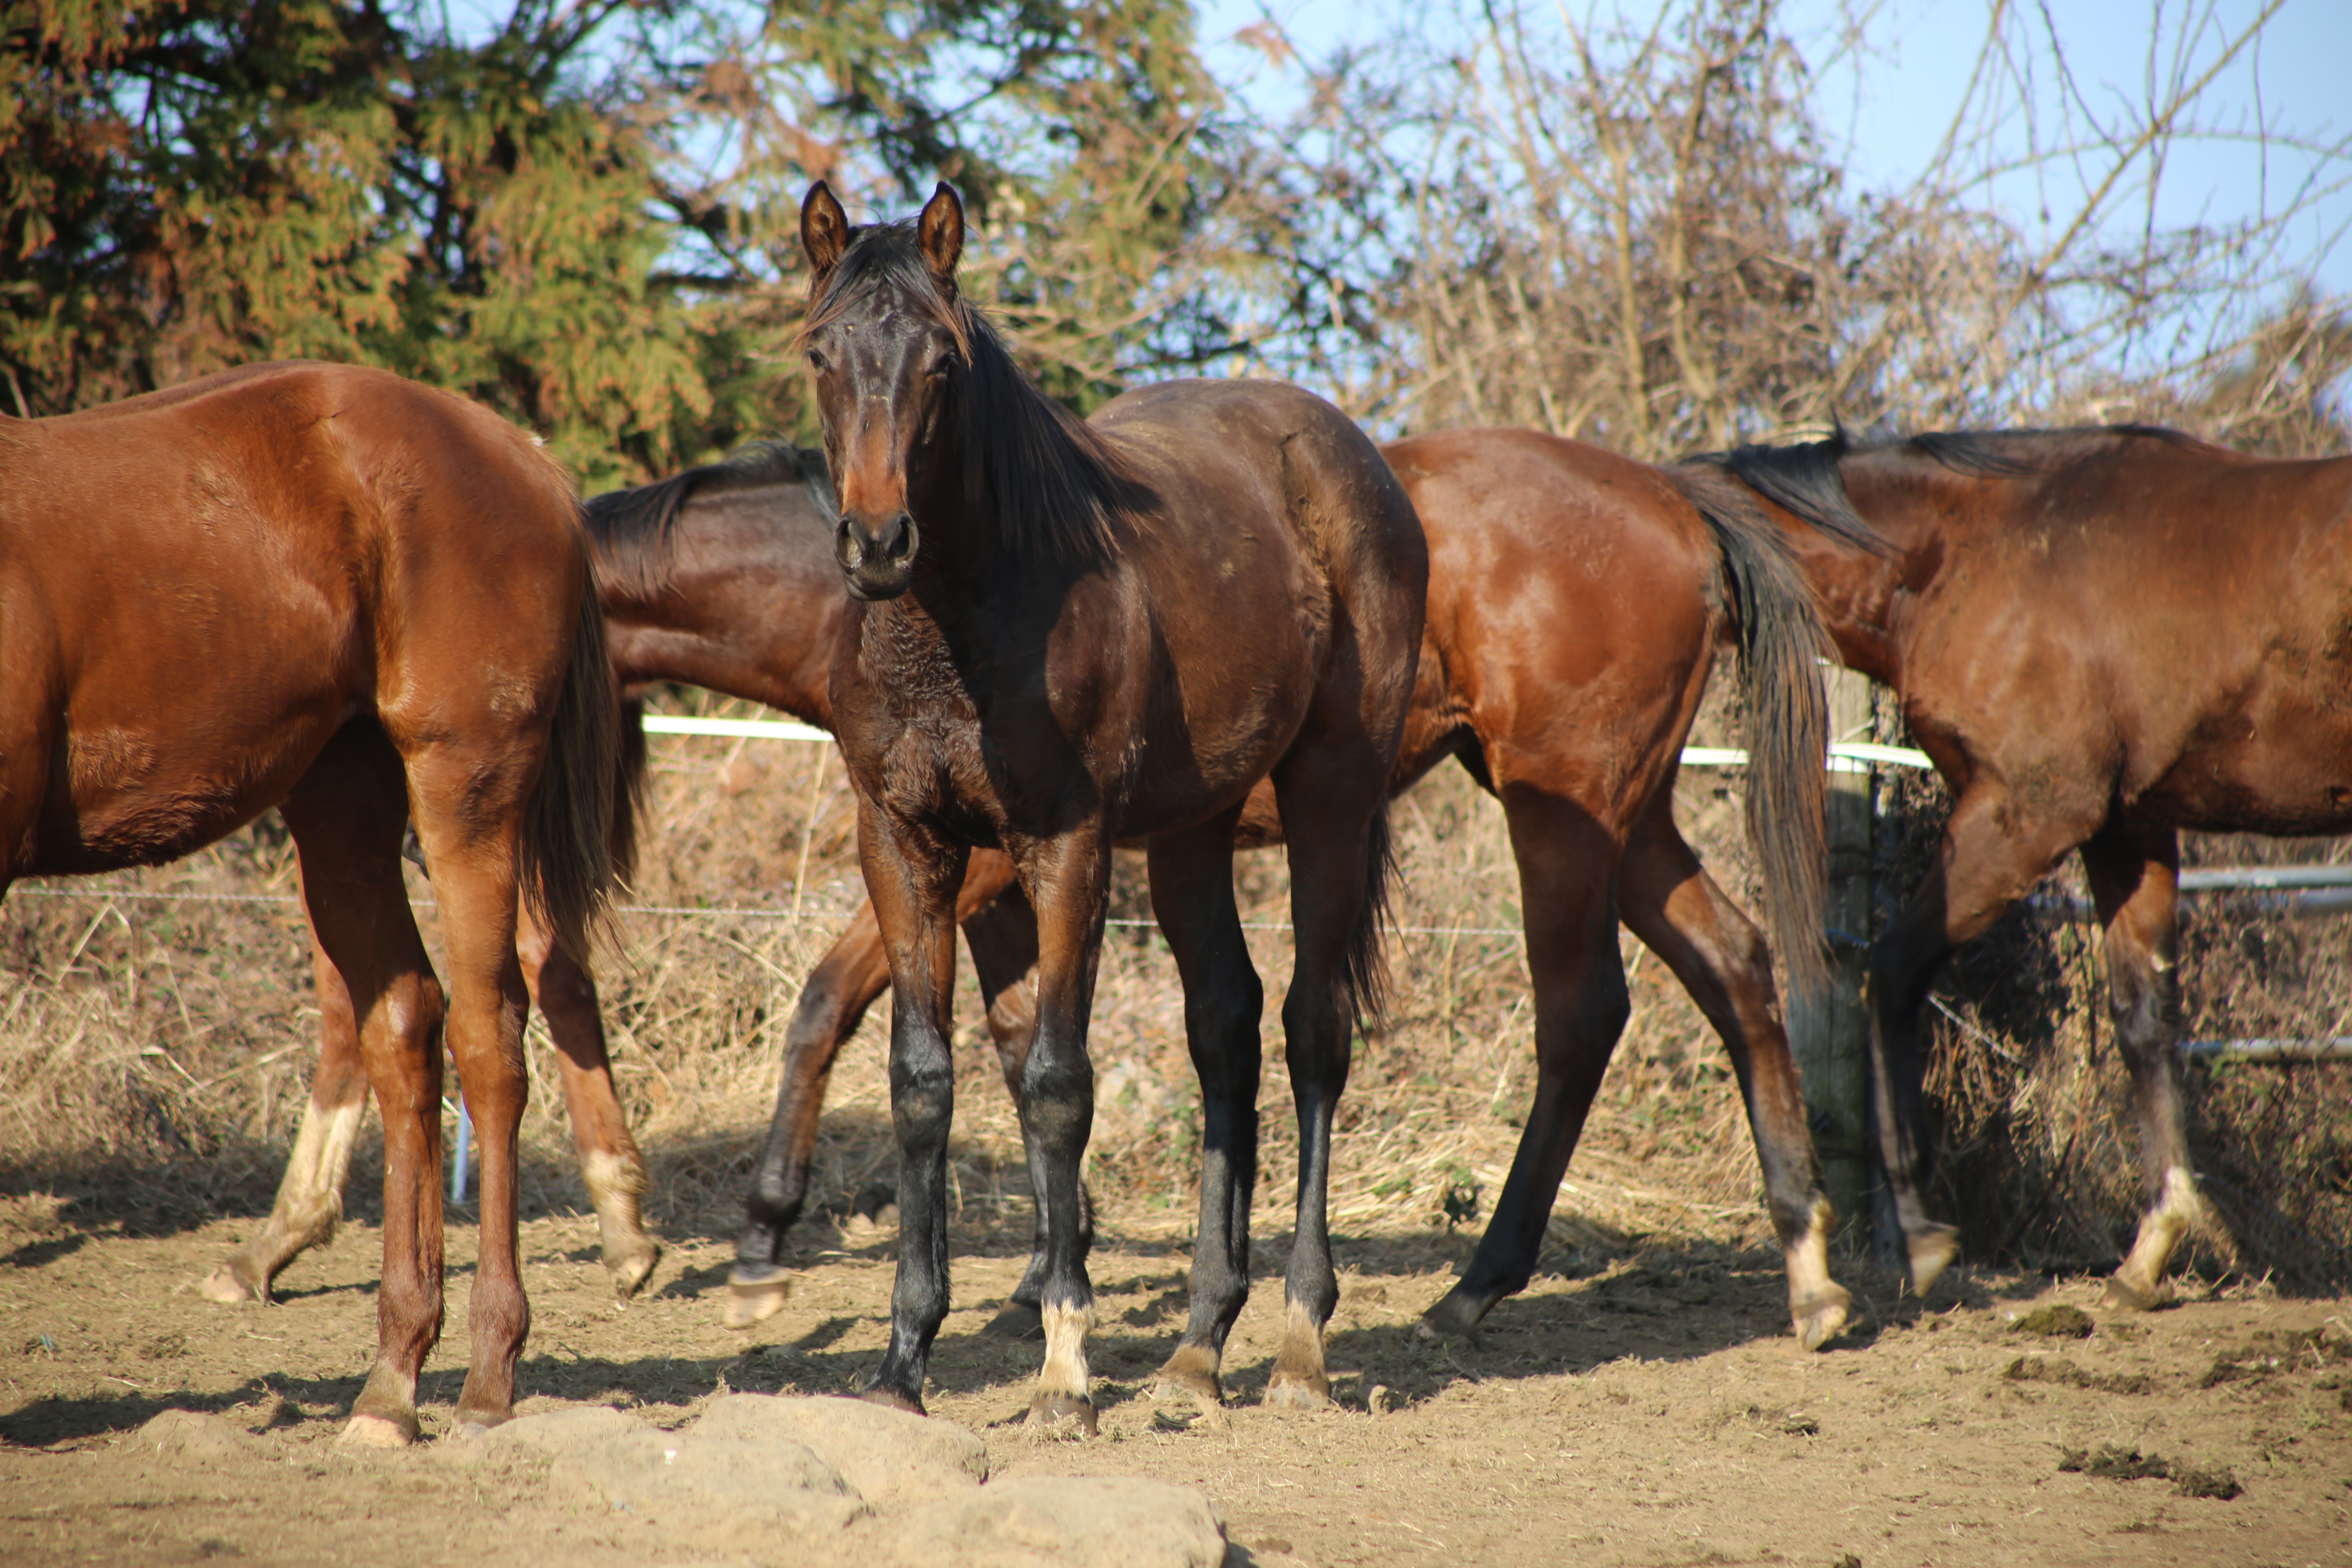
(634, 531)
(1056, 486)
(1804, 476)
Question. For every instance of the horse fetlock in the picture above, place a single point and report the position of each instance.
(893, 1399)
(1821, 1318)
(1065, 1371)
(754, 1296)
(1818, 1305)
(1299, 1381)
(385, 1415)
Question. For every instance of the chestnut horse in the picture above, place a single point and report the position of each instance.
(721, 576)
(1067, 634)
(359, 600)
(2101, 637)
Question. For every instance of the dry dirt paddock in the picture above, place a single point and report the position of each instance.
(1650, 1409)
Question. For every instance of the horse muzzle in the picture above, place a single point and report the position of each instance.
(878, 563)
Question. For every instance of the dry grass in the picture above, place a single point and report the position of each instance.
(156, 1052)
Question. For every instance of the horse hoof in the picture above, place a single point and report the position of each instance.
(633, 1269)
(231, 1286)
(891, 1399)
(1933, 1249)
(1018, 1320)
(1822, 1318)
(1454, 1317)
(2122, 1296)
(757, 1299)
(1297, 1391)
(1191, 1374)
(377, 1432)
(1060, 1417)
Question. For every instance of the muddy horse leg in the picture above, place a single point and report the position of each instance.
(1068, 880)
(610, 1164)
(909, 873)
(2135, 878)
(310, 1194)
(1668, 901)
(1992, 856)
(1332, 793)
(346, 817)
(1566, 860)
(854, 972)
(1192, 897)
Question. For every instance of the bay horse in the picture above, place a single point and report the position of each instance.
(2101, 637)
(363, 602)
(1577, 603)
(723, 575)
(1064, 635)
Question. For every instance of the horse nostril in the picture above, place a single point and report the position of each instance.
(902, 540)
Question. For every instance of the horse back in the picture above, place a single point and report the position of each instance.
(1575, 602)
(202, 586)
(1282, 563)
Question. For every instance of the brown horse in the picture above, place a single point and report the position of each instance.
(721, 576)
(1577, 602)
(2101, 637)
(358, 600)
(1067, 634)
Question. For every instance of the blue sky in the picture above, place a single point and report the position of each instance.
(1892, 100)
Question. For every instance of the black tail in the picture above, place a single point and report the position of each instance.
(1366, 975)
(1781, 645)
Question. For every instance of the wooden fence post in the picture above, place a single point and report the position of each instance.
(1828, 1033)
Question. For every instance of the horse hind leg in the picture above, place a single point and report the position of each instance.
(309, 1203)
(2135, 880)
(1192, 898)
(1566, 859)
(1676, 908)
(610, 1164)
(346, 817)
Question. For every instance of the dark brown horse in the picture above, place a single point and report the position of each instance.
(1067, 634)
(2101, 637)
(1578, 602)
(358, 600)
(1574, 686)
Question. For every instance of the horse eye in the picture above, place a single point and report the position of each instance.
(940, 366)
(817, 362)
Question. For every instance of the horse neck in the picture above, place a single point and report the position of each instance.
(748, 612)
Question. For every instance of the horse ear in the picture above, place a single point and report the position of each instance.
(825, 232)
(940, 233)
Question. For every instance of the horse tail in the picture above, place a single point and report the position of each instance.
(1366, 975)
(1780, 646)
(585, 804)
(628, 788)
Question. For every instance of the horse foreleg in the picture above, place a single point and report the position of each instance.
(911, 878)
(1566, 859)
(1674, 906)
(1192, 897)
(1003, 936)
(310, 1194)
(1068, 880)
(2135, 879)
(610, 1164)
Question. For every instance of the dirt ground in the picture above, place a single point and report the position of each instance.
(1648, 1408)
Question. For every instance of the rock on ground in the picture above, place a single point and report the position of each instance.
(194, 1436)
(888, 1456)
(1049, 1522)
